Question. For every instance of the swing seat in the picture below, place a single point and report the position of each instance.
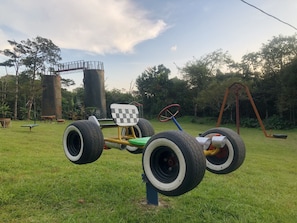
(280, 136)
(30, 126)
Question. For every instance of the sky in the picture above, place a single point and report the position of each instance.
(129, 36)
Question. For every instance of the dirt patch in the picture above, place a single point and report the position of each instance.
(162, 204)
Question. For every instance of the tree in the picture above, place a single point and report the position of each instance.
(289, 92)
(40, 55)
(116, 96)
(6, 100)
(153, 85)
(199, 72)
(37, 55)
(250, 66)
(24, 95)
(178, 92)
(276, 55)
(15, 56)
(67, 82)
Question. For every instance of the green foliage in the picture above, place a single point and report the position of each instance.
(276, 122)
(272, 123)
(40, 52)
(90, 111)
(72, 104)
(198, 72)
(153, 86)
(270, 74)
(249, 123)
(277, 53)
(36, 56)
(4, 110)
(22, 113)
(116, 96)
(212, 97)
(157, 90)
(67, 82)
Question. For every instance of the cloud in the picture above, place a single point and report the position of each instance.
(173, 48)
(98, 26)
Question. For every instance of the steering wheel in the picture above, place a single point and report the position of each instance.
(168, 112)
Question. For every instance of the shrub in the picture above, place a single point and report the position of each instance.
(249, 123)
(276, 122)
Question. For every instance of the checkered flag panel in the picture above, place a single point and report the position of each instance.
(124, 114)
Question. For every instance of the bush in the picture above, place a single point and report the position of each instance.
(249, 123)
(276, 122)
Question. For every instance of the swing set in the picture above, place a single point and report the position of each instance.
(236, 88)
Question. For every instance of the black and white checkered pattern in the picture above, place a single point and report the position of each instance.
(124, 114)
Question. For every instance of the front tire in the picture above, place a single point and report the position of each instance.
(230, 157)
(173, 162)
(83, 142)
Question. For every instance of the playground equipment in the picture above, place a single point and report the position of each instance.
(173, 161)
(236, 87)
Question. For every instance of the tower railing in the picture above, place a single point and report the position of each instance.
(78, 65)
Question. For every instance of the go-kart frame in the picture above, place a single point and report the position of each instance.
(173, 161)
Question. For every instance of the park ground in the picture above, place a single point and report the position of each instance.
(39, 184)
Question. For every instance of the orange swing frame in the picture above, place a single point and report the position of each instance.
(236, 88)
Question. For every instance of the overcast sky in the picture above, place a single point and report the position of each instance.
(130, 35)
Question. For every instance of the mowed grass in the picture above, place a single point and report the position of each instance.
(38, 183)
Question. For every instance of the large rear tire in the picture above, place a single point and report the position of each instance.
(83, 142)
(173, 162)
(230, 157)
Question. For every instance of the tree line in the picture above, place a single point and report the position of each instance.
(37, 56)
(270, 73)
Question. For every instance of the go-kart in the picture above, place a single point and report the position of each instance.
(173, 161)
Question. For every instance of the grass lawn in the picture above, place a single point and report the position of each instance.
(38, 183)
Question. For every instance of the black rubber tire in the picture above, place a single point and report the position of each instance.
(83, 142)
(173, 162)
(232, 155)
(143, 128)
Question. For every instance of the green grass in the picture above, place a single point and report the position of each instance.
(38, 183)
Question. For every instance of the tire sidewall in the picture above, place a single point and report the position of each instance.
(227, 163)
(236, 151)
(150, 149)
(173, 162)
(83, 142)
(69, 130)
